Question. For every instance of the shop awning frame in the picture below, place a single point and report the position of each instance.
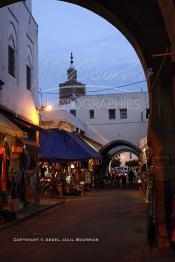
(93, 153)
(62, 146)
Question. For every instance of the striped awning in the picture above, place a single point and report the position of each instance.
(8, 127)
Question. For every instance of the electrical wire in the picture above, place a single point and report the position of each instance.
(95, 91)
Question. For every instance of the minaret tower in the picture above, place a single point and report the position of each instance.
(71, 89)
(71, 72)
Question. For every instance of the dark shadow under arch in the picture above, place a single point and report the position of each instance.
(117, 143)
(124, 150)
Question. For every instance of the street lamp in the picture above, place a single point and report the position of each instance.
(46, 108)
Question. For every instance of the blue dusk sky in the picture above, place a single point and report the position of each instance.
(103, 57)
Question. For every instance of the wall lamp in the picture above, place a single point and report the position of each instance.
(46, 108)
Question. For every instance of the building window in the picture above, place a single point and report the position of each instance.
(28, 77)
(73, 112)
(11, 61)
(91, 114)
(112, 114)
(147, 113)
(123, 113)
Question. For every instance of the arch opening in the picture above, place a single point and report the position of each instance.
(119, 146)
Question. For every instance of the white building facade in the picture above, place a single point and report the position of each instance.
(19, 60)
(61, 119)
(19, 133)
(122, 116)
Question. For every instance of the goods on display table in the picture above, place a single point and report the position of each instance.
(65, 178)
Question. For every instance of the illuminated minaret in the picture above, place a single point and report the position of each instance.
(71, 89)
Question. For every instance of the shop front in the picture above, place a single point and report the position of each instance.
(18, 167)
(24, 172)
(70, 178)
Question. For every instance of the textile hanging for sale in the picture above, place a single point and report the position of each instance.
(3, 171)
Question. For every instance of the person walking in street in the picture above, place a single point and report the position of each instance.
(123, 180)
(139, 182)
(130, 177)
(114, 180)
(117, 178)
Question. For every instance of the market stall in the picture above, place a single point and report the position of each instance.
(72, 154)
(18, 163)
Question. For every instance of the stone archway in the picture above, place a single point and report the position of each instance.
(150, 27)
(118, 143)
(119, 147)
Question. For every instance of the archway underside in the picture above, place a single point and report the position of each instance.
(120, 150)
(121, 146)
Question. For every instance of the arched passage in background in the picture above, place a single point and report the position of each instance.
(150, 27)
(123, 149)
(110, 150)
(119, 146)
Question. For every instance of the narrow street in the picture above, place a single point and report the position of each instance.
(113, 223)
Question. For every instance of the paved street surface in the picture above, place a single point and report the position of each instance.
(113, 223)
